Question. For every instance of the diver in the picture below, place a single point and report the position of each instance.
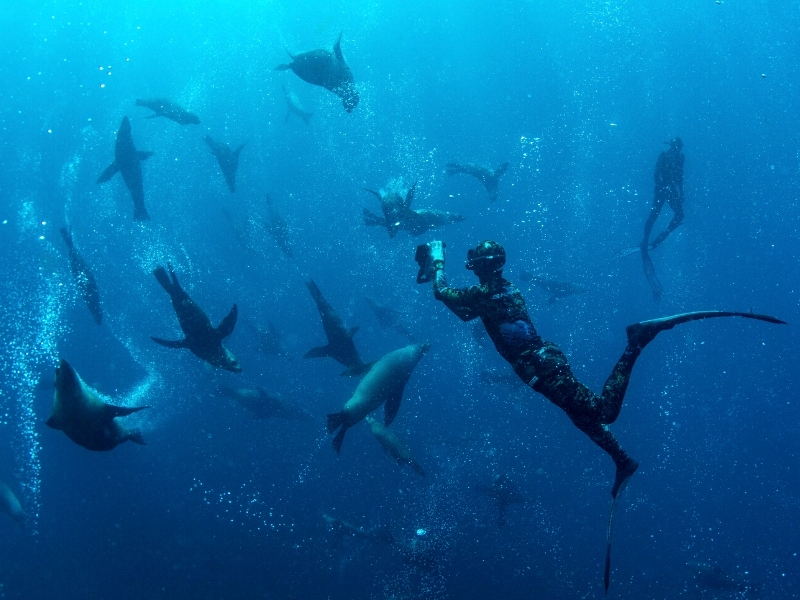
(541, 364)
(668, 178)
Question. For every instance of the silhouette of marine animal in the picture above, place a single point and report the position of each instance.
(269, 341)
(393, 446)
(264, 405)
(397, 214)
(278, 228)
(84, 279)
(10, 505)
(383, 384)
(202, 340)
(127, 161)
(389, 318)
(84, 417)
(487, 177)
(228, 160)
(294, 107)
(504, 493)
(340, 346)
(173, 112)
(556, 289)
(328, 70)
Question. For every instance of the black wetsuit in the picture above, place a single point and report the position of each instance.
(541, 364)
(668, 178)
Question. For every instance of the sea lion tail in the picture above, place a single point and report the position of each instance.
(136, 437)
(335, 420)
(501, 169)
(162, 277)
(65, 233)
(140, 213)
(417, 467)
(337, 441)
(453, 168)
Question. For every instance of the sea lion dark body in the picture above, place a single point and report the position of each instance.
(398, 215)
(340, 345)
(328, 70)
(489, 178)
(264, 405)
(228, 160)
(278, 228)
(127, 161)
(504, 493)
(293, 107)
(202, 339)
(84, 279)
(84, 417)
(269, 341)
(390, 318)
(556, 289)
(169, 110)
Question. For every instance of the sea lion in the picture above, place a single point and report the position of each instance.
(383, 384)
(10, 505)
(228, 160)
(390, 318)
(84, 417)
(340, 346)
(556, 289)
(487, 177)
(173, 112)
(202, 340)
(294, 107)
(264, 405)
(342, 528)
(127, 160)
(503, 492)
(278, 228)
(328, 70)
(398, 215)
(393, 445)
(84, 279)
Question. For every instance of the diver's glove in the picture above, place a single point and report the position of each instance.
(427, 256)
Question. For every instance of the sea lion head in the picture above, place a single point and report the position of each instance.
(68, 382)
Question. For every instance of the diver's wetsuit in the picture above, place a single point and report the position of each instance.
(668, 178)
(541, 364)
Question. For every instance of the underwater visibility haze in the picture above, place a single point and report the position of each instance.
(273, 167)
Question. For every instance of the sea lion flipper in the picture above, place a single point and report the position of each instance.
(144, 154)
(112, 411)
(353, 331)
(283, 67)
(337, 48)
(410, 195)
(370, 218)
(501, 169)
(228, 323)
(110, 171)
(163, 279)
(239, 149)
(318, 352)
(357, 370)
(373, 192)
(391, 408)
(51, 422)
(170, 343)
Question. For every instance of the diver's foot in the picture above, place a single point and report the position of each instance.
(624, 473)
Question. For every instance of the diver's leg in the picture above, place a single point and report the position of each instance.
(610, 402)
(602, 436)
(677, 218)
(655, 210)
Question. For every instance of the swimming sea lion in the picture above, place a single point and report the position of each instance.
(383, 384)
(84, 279)
(202, 340)
(84, 417)
(173, 112)
(328, 70)
(228, 160)
(340, 346)
(10, 505)
(269, 341)
(504, 492)
(393, 445)
(398, 215)
(390, 318)
(556, 289)
(127, 161)
(294, 107)
(264, 405)
(487, 177)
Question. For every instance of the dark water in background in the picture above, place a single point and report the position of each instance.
(220, 506)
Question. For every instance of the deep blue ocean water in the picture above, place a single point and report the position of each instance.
(579, 97)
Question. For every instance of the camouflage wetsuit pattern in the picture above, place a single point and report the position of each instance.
(541, 364)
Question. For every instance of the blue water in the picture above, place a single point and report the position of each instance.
(579, 97)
